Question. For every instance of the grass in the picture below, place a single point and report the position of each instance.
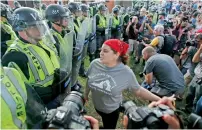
(126, 94)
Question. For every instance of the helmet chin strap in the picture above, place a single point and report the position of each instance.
(60, 24)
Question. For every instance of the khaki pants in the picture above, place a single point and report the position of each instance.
(132, 46)
(187, 78)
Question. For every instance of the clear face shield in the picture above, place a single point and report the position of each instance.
(78, 13)
(104, 11)
(67, 47)
(39, 31)
(122, 11)
(67, 23)
(86, 14)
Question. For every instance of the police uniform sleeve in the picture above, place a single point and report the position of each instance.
(19, 58)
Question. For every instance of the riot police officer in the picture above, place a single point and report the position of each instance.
(61, 29)
(116, 28)
(100, 27)
(34, 55)
(76, 11)
(80, 30)
(7, 34)
(16, 5)
(85, 17)
(38, 6)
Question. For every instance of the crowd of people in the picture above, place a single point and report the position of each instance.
(43, 49)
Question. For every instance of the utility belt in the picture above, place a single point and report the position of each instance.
(61, 84)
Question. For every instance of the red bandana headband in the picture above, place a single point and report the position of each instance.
(118, 46)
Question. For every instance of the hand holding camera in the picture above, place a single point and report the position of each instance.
(160, 116)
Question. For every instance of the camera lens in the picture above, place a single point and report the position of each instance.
(153, 123)
(74, 101)
(194, 122)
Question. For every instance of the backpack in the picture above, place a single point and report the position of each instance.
(169, 43)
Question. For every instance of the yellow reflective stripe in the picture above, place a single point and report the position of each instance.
(46, 80)
(76, 27)
(9, 95)
(32, 66)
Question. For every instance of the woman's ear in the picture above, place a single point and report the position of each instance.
(118, 54)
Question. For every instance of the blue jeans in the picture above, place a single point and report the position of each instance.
(199, 107)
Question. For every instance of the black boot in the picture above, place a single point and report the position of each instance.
(82, 70)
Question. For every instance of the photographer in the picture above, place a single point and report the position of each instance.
(163, 68)
(184, 32)
(195, 87)
(158, 41)
(132, 32)
(145, 34)
(187, 56)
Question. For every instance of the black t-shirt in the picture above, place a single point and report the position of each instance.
(131, 33)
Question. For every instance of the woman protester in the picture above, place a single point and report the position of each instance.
(108, 76)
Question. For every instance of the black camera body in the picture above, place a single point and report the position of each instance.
(140, 37)
(144, 117)
(168, 24)
(68, 116)
(194, 122)
(191, 43)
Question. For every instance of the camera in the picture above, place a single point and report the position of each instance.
(191, 43)
(194, 122)
(168, 24)
(144, 117)
(140, 37)
(147, 21)
(69, 115)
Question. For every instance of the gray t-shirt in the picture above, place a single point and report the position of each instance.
(165, 71)
(106, 84)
